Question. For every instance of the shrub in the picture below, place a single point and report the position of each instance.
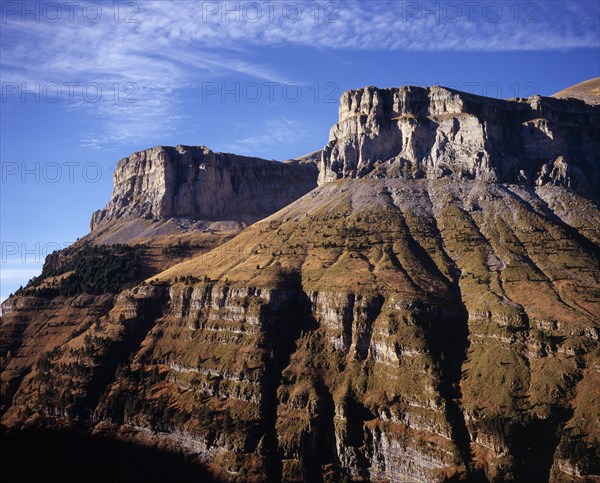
(94, 270)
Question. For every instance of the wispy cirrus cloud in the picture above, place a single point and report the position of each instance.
(274, 131)
(147, 51)
(12, 275)
(422, 26)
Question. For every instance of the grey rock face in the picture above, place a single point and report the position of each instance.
(196, 183)
(414, 132)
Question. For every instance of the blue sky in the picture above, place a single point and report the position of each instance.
(87, 83)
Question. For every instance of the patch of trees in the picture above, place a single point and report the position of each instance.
(95, 270)
(181, 249)
(126, 405)
(190, 279)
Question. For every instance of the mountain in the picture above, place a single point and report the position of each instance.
(436, 132)
(429, 312)
(588, 91)
(191, 187)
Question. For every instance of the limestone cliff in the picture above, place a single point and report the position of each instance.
(436, 132)
(430, 312)
(457, 339)
(199, 184)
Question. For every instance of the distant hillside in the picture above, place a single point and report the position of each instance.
(588, 91)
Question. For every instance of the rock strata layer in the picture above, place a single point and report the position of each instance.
(193, 182)
(457, 339)
(430, 312)
(436, 132)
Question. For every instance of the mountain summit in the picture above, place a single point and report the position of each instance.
(435, 133)
(588, 91)
(429, 312)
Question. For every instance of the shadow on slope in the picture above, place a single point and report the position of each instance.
(52, 456)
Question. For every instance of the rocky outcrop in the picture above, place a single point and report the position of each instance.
(440, 323)
(310, 158)
(193, 182)
(460, 341)
(461, 346)
(436, 132)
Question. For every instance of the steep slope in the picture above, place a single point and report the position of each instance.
(168, 205)
(196, 183)
(430, 312)
(403, 282)
(379, 329)
(435, 132)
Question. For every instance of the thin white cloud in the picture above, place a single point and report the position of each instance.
(267, 134)
(20, 274)
(13, 275)
(164, 46)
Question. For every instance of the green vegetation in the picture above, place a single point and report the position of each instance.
(189, 279)
(181, 249)
(90, 269)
